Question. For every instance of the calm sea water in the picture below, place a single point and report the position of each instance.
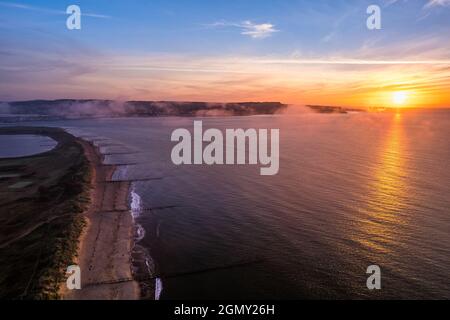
(353, 190)
(22, 145)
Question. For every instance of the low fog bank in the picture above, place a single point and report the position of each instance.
(302, 109)
(108, 108)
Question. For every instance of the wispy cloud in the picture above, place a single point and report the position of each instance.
(429, 3)
(47, 10)
(437, 3)
(337, 25)
(346, 81)
(249, 28)
(258, 31)
(351, 62)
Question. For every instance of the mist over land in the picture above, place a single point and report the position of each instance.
(74, 108)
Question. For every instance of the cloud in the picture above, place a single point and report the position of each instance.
(430, 3)
(248, 28)
(258, 31)
(337, 24)
(46, 10)
(437, 3)
(350, 62)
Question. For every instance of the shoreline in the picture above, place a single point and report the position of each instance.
(106, 243)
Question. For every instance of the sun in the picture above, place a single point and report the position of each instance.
(399, 97)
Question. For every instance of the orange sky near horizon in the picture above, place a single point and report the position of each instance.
(337, 82)
(358, 83)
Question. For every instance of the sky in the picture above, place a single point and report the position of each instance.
(297, 52)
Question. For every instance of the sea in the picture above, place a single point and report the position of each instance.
(353, 190)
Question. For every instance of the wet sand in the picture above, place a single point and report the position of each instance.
(104, 253)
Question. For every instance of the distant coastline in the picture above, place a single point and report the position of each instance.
(333, 109)
(35, 110)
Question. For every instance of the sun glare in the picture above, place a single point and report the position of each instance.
(399, 97)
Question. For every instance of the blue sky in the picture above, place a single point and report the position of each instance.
(150, 42)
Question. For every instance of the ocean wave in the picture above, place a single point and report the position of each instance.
(158, 288)
(136, 212)
(136, 204)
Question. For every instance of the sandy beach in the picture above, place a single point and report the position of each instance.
(107, 240)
